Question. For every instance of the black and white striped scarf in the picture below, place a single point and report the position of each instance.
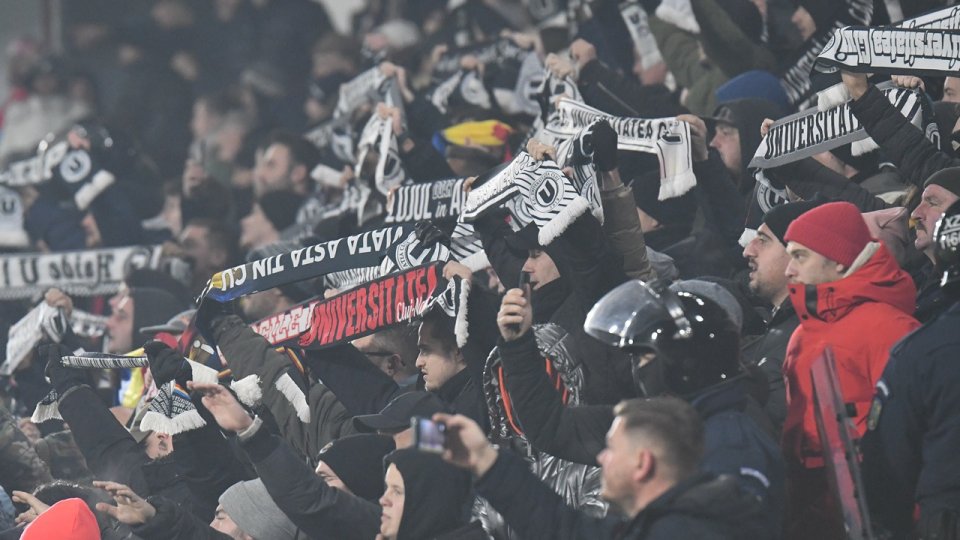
(356, 251)
(667, 138)
(535, 191)
(925, 45)
(47, 408)
(813, 131)
(45, 320)
(77, 273)
(796, 79)
(438, 202)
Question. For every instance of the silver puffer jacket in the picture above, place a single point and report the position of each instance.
(578, 484)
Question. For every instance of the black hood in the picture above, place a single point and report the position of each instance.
(436, 494)
(747, 115)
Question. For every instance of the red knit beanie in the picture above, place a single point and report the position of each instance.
(835, 230)
(69, 519)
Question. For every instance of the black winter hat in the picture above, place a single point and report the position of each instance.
(357, 460)
(779, 218)
(948, 179)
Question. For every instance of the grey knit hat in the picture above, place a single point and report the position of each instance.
(249, 505)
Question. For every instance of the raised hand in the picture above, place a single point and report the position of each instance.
(516, 314)
(466, 446)
(131, 509)
(224, 407)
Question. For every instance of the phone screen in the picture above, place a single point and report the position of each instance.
(429, 436)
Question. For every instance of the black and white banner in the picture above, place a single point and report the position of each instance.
(45, 320)
(76, 273)
(12, 233)
(428, 201)
(497, 51)
(667, 138)
(378, 134)
(547, 198)
(75, 168)
(812, 131)
(356, 251)
(891, 50)
(95, 360)
(337, 135)
(403, 255)
(361, 89)
(796, 79)
(645, 44)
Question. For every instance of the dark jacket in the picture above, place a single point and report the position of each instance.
(173, 522)
(704, 507)
(318, 509)
(910, 449)
(23, 470)
(367, 389)
(807, 177)
(589, 268)
(113, 454)
(902, 142)
(767, 353)
(734, 443)
(612, 93)
(248, 353)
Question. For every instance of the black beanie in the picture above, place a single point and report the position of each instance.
(948, 179)
(437, 494)
(280, 207)
(357, 460)
(779, 218)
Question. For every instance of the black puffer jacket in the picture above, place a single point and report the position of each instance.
(902, 142)
(704, 506)
(767, 352)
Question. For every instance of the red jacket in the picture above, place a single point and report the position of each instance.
(860, 317)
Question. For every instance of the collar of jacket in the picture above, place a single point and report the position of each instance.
(451, 389)
(781, 314)
(880, 279)
(663, 505)
(721, 397)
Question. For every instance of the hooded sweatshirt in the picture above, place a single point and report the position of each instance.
(437, 494)
(747, 115)
(69, 519)
(860, 317)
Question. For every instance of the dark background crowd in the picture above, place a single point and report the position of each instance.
(650, 377)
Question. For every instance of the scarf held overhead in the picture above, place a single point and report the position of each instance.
(385, 302)
(891, 50)
(357, 251)
(812, 131)
(77, 273)
(667, 138)
(547, 198)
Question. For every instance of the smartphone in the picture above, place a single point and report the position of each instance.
(524, 282)
(428, 436)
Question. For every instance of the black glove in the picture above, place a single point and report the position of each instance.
(601, 141)
(62, 378)
(429, 234)
(210, 311)
(166, 364)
